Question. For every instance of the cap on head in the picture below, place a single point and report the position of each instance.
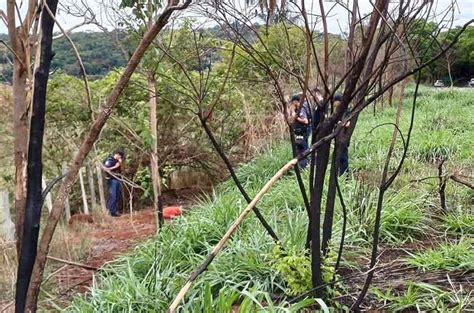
(337, 97)
(120, 152)
(296, 98)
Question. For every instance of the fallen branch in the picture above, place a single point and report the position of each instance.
(88, 267)
(462, 182)
(217, 248)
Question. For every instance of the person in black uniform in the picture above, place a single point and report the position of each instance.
(114, 165)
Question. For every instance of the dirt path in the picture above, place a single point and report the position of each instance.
(110, 239)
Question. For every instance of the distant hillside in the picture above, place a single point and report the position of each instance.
(100, 53)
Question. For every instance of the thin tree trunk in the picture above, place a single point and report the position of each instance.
(384, 185)
(90, 176)
(236, 180)
(83, 193)
(155, 173)
(390, 96)
(35, 165)
(49, 201)
(87, 145)
(449, 72)
(442, 186)
(100, 183)
(7, 228)
(331, 198)
(67, 207)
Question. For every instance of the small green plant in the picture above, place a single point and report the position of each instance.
(144, 181)
(295, 267)
(448, 256)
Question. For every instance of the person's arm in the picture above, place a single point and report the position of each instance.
(303, 115)
(117, 165)
(303, 120)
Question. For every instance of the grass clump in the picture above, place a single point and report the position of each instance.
(462, 223)
(424, 297)
(403, 218)
(448, 256)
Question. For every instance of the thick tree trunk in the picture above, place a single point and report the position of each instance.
(155, 173)
(21, 74)
(20, 131)
(86, 147)
(322, 160)
(35, 165)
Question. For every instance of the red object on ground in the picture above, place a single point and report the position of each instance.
(172, 211)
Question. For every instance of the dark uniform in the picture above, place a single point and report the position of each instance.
(114, 186)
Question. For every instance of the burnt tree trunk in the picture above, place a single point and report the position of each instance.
(331, 198)
(31, 228)
(322, 160)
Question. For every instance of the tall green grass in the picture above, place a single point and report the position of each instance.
(147, 279)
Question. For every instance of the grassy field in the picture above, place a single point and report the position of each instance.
(426, 256)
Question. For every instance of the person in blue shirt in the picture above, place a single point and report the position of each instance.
(113, 164)
(299, 117)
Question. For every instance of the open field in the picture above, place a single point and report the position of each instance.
(426, 259)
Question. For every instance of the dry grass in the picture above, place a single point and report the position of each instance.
(69, 243)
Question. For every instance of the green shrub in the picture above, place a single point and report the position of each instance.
(295, 267)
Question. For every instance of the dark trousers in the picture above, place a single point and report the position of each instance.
(114, 196)
(344, 160)
(300, 148)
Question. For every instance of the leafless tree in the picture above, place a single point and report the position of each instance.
(377, 40)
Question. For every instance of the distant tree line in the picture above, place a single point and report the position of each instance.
(103, 52)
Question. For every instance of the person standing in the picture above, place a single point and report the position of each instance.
(113, 164)
(319, 107)
(299, 117)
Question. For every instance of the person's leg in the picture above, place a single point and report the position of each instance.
(119, 197)
(301, 149)
(110, 195)
(112, 202)
(344, 161)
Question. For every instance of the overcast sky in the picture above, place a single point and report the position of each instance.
(337, 20)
